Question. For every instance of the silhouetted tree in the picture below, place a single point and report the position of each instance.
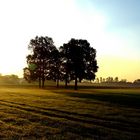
(27, 74)
(40, 60)
(30, 73)
(78, 60)
(55, 72)
(104, 80)
(101, 79)
(109, 79)
(97, 80)
(137, 81)
(65, 63)
(116, 79)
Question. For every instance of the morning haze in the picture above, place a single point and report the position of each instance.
(111, 26)
(69, 69)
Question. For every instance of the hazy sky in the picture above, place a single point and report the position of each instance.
(111, 26)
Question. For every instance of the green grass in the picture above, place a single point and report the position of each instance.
(100, 114)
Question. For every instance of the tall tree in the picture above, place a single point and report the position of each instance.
(55, 72)
(78, 60)
(40, 59)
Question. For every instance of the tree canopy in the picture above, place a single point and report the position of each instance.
(40, 60)
(79, 60)
(75, 60)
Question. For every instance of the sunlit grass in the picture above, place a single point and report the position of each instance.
(52, 113)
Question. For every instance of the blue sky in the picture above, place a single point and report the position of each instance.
(123, 27)
(121, 14)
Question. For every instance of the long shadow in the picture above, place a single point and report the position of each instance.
(75, 117)
(126, 100)
(62, 112)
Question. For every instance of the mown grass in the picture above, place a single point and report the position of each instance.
(51, 113)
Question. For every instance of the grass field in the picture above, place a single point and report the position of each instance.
(100, 114)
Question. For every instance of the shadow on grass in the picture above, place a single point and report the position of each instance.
(127, 100)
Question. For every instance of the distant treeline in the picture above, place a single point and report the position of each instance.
(110, 80)
(114, 80)
(9, 79)
(15, 80)
(12, 79)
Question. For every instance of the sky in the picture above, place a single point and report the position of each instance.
(112, 27)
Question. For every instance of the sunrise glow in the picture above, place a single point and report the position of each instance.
(106, 25)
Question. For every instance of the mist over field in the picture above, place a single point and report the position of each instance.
(70, 70)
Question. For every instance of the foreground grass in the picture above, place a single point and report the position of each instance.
(31, 113)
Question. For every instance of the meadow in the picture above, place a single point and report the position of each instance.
(29, 113)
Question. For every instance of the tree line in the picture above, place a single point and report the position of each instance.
(73, 61)
(9, 79)
(110, 80)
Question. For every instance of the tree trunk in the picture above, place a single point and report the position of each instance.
(57, 79)
(66, 82)
(57, 83)
(43, 82)
(39, 82)
(43, 79)
(75, 87)
(43, 76)
(39, 74)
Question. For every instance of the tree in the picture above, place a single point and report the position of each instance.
(55, 72)
(116, 79)
(27, 74)
(40, 60)
(109, 79)
(78, 60)
(101, 79)
(137, 81)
